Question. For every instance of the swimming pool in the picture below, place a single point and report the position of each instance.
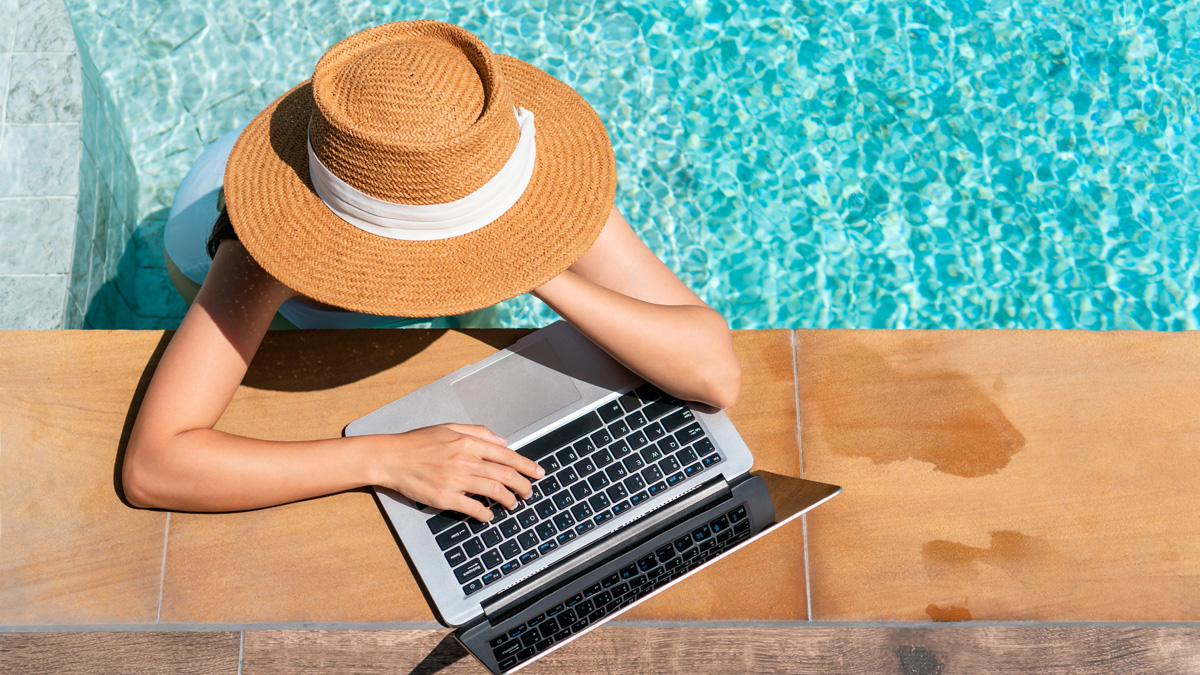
(799, 164)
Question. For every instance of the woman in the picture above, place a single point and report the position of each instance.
(408, 178)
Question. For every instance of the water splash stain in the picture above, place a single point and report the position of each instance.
(951, 613)
(887, 413)
(1009, 550)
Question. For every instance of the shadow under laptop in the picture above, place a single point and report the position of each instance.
(446, 653)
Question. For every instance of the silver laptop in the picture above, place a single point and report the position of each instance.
(641, 490)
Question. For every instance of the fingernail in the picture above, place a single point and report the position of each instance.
(541, 473)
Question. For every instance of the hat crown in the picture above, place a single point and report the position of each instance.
(413, 113)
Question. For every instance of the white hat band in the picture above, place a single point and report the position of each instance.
(425, 222)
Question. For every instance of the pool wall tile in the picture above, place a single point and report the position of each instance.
(44, 88)
(65, 170)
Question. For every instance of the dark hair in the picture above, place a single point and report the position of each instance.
(222, 230)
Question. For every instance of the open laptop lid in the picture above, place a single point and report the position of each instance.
(791, 498)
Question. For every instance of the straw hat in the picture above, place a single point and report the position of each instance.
(419, 174)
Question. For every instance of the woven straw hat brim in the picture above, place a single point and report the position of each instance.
(292, 234)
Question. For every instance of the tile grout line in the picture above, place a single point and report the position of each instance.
(241, 650)
(162, 577)
(800, 451)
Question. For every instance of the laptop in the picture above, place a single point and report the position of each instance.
(641, 490)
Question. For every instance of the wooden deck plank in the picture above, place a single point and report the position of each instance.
(1003, 475)
(70, 551)
(334, 559)
(1077, 650)
(176, 653)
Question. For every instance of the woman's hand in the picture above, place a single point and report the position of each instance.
(442, 464)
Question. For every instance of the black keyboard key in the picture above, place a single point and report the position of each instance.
(675, 479)
(635, 482)
(549, 484)
(636, 582)
(550, 463)
(505, 664)
(647, 562)
(562, 634)
(657, 409)
(527, 540)
(565, 537)
(605, 597)
(610, 411)
(509, 550)
(725, 536)
(657, 488)
(598, 482)
(455, 535)
(618, 429)
(601, 438)
(677, 419)
(443, 521)
(686, 456)
(585, 467)
(563, 499)
(608, 582)
(620, 507)
(581, 490)
(509, 648)
(579, 625)
(703, 446)
(615, 493)
(544, 508)
(647, 392)
(668, 445)
(476, 526)
(543, 645)
(637, 420)
(509, 527)
(638, 498)
(547, 546)
(628, 572)
(497, 641)
(567, 456)
(572, 602)
(631, 402)
(528, 557)
(567, 476)
(620, 449)
(741, 528)
(473, 547)
(581, 511)
(526, 654)
(603, 458)
(596, 615)
(455, 556)
(683, 543)
(737, 514)
(567, 433)
(602, 517)
(553, 611)
(689, 433)
(491, 537)
(669, 465)
(652, 453)
(587, 605)
(616, 472)
(665, 553)
(704, 533)
(654, 432)
(468, 571)
(584, 526)
(472, 586)
(493, 558)
(652, 473)
(620, 589)
(545, 530)
(634, 462)
(584, 447)
(510, 566)
(638, 440)
(692, 469)
(599, 502)
(527, 518)
(563, 521)
(712, 459)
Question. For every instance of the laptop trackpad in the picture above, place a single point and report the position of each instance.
(518, 390)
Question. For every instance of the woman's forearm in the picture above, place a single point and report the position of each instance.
(210, 470)
(686, 350)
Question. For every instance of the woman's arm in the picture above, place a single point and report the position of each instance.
(633, 306)
(175, 459)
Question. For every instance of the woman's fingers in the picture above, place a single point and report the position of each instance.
(465, 505)
(512, 458)
(489, 487)
(506, 476)
(477, 430)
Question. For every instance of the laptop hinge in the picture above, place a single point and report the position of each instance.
(613, 544)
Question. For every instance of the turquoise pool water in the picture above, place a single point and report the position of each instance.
(799, 164)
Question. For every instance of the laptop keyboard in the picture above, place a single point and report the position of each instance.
(599, 465)
(626, 586)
